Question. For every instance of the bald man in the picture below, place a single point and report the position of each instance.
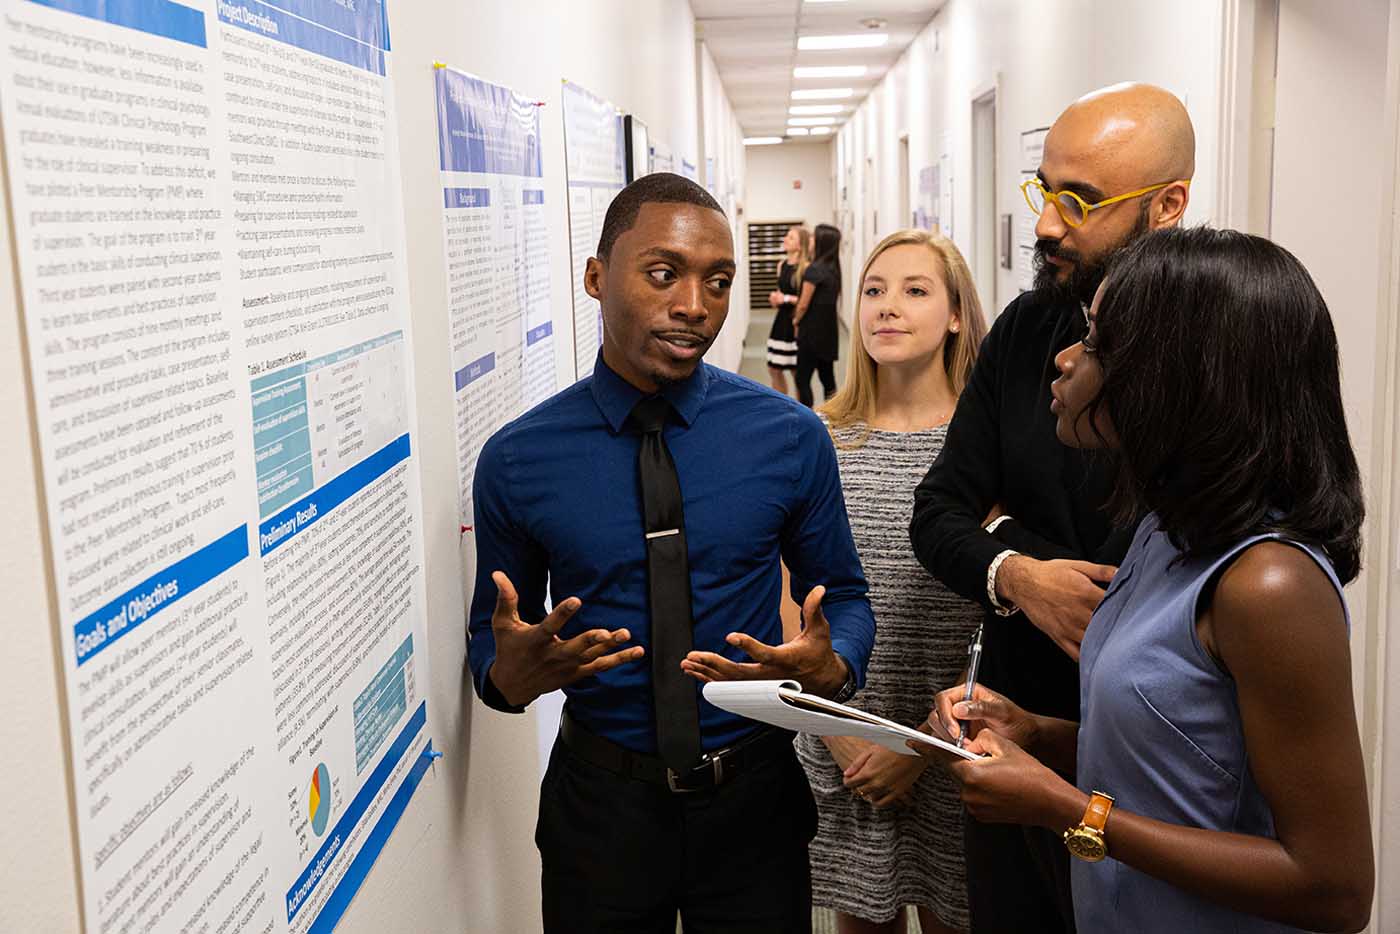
(1117, 163)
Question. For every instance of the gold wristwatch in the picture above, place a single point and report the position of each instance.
(1085, 840)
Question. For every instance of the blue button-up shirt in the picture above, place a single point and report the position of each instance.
(558, 504)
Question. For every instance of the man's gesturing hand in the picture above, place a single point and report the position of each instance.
(533, 660)
(808, 658)
(1057, 596)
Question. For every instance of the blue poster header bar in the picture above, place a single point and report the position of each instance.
(466, 197)
(156, 17)
(316, 32)
(486, 128)
(474, 371)
(535, 335)
(532, 196)
(311, 508)
(96, 631)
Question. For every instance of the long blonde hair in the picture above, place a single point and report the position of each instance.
(804, 255)
(855, 401)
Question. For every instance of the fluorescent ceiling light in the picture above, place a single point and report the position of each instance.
(811, 121)
(817, 130)
(822, 94)
(797, 131)
(762, 140)
(863, 40)
(828, 71)
(807, 110)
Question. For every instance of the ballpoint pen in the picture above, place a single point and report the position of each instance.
(974, 660)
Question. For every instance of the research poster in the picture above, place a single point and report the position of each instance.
(1032, 150)
(209, 230)
(596, 171)
(495, 233)
(662, 158)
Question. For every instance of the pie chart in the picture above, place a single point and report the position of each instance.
(319, 799)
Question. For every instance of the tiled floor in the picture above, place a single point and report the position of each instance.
(755, 365)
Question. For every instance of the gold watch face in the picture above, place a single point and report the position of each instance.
(1085, 844)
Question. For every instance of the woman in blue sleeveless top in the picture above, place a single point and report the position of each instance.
(1215, 676)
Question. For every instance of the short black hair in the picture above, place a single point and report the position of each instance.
(1222, 381)
(657, 188)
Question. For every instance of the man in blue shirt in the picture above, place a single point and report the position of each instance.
(567, 496)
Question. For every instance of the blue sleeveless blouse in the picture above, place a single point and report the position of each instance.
(1160, 731)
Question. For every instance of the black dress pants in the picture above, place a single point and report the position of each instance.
(1017, 879)
(825, 370)
(622, 856)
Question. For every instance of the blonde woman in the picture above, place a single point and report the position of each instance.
(782, 339)
(890, 831)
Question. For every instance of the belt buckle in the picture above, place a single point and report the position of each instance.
(716, 763)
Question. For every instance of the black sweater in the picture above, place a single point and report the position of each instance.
(1001, 450)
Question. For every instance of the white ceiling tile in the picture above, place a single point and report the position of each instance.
(754, 45)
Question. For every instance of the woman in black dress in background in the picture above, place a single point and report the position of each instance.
(782, 343)
(815, 317)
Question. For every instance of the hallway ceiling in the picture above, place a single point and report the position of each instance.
(754, 44)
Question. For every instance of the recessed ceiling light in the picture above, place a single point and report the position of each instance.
(828, 71)
(820, 130)
(797, 131)
(822, 94)
(811, 109)
(862, 40)
(811, 121)
(762, 140)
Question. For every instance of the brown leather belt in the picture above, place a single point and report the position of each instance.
(714, 769)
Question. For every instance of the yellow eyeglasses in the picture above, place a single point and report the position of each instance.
(1074, 210)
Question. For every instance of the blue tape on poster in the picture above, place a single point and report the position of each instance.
(156, 17)
(300, 892)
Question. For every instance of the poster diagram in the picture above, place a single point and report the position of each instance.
(595, 168)
(210, 242)
(495, 233)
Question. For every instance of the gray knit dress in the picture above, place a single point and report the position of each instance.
(867, 861)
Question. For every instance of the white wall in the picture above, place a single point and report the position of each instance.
(1331, 132)
(463, 857)
(772, 170)
(722, 139)
(1341, 132)
(1038, 59)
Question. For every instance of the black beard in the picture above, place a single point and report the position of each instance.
(1085, 276)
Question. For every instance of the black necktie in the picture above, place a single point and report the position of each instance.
(668, 585)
